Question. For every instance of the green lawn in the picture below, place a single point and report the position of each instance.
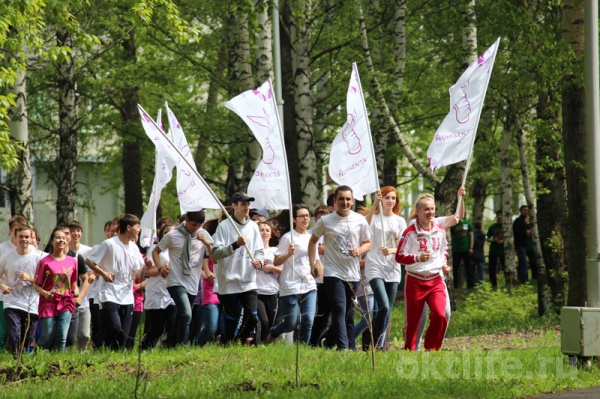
(537, 367)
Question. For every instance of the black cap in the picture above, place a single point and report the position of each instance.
(240, 196)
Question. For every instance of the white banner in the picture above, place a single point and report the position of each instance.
(192, 193)
(269, 184)
(453, 140)
(163, 173)
(351, 161)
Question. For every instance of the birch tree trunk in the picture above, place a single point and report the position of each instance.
(542, 280)
(67, 132)
(20, 180)
(241, 78)
(300, 35)
(408, 153)
(574, 141)
(510, 254)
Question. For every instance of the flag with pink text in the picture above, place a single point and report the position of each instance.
(351, 161)
(269, 184)
(453, 140)
(193, 195)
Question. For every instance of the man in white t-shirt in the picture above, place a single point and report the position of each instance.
(189, 246)
(20, 299)
(5, 247)
(118, 262)
(347, 237)
(235, 270)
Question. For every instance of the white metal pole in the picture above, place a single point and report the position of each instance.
(592, 124)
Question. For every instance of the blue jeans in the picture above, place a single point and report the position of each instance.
(213, 322)
(294, 309)
(341, 294)
(522, 264)
(184, 303)
(385, 295)
(362, 323)
(54, 331)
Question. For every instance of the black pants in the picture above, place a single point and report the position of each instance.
(116, 320)
(232, 305)
(135, 322)
(469, 269)
(494, 268)
(267, 309)
(532, 263)
(322, 317)
(157, 323)
(19, 325)
(96, 321)
(341, 296)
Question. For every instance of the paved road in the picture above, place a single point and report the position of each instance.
(588, 393)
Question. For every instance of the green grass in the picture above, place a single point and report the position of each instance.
(535, 368)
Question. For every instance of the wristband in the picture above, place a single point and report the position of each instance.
(235, 246)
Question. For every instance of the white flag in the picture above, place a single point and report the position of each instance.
(192, 193)
(352, 162)
(162, 175)
(453, 141)
(269, 184)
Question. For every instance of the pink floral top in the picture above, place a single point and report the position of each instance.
(138, 297)
(57, 277)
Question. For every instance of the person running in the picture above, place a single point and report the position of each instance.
(56, 282)
(118, 262)
(189, 246)
(423, 250)
(297, 287)
(267, 280)
(347, 238)
(160, 308)
(21, 301)
(381, 270)
(235, 270)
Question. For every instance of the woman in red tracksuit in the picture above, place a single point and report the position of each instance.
(423, 249)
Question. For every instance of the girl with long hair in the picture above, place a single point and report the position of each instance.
(56, 282)
(267, 280)
(381, 270)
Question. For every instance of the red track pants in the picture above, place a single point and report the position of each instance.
(416, 293)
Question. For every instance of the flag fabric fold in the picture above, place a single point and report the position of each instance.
(453, 140)
(269, 184)
(163, 173)
(351, 160)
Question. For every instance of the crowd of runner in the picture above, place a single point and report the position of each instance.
(247, 277)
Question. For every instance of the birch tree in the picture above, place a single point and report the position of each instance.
(20, 180)
(544, 302)
(510, 271)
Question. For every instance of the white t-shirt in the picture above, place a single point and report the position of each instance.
(122, 260)
(341, 234)
(84, 251)
(157, 296)
(174, 241)
(234, 270)
(267, 283)
(298, 280)
(22, 296)
(376, 264)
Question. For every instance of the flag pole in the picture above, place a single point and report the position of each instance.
(193, 168)
(354, 67)
(287, 172)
